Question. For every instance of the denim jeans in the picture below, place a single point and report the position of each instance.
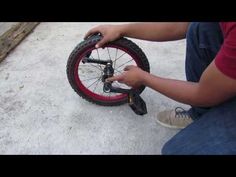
(214, 129)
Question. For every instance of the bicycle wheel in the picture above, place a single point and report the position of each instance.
(86, 78)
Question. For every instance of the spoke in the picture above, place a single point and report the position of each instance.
(102, 92)
(115, 59)
(91, 78)
(125, 63)
(100, 68)
(95, 66)
(120, 57)
(94, 82)
(96, 85)
(98, 54)
(118, 71)
(99, 59)
(109, 53)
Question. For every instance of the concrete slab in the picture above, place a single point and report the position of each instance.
(41, 114)
(4, 26)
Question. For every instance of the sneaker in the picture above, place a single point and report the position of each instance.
(178, 118)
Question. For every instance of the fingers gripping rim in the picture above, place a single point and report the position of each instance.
(89, 44)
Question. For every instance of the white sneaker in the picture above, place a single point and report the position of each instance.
(178, 118)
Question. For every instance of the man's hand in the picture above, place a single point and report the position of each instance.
(146, 31)
(109, 33)
(133, 76)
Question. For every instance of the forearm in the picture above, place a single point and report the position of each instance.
(155, 31)
(181, 91)
(212, 89)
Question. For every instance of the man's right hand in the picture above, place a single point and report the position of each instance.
(109, 33)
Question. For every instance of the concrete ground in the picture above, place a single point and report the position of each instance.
(41, 114)
(4, 26)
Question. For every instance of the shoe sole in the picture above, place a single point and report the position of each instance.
(169, 126)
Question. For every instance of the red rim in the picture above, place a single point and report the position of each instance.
(89, 92)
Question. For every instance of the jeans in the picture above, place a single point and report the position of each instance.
(213, 130)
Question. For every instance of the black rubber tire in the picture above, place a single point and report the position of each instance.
(91, 42)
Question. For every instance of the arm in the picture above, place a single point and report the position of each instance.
(155, 31)
(146, 31)
(213, 88)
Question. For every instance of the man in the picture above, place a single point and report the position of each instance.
(209, 127)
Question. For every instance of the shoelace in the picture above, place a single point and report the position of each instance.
(181, 113)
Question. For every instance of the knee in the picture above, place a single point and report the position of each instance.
(168, 148)
(180, 144)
